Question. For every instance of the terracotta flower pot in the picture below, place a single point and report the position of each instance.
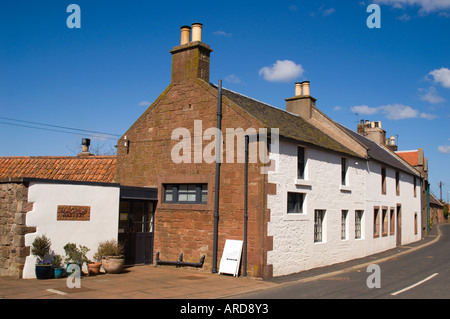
(113, 264)
(94, 268)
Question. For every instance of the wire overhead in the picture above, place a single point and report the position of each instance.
(60, 129)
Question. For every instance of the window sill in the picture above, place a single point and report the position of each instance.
(295, 217)
(345, 188)
(303, 182)
(169, 206)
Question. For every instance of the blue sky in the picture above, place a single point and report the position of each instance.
(102, 76)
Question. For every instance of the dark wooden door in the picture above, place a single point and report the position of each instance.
(136, 231)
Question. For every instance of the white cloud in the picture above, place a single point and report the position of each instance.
(431, 96)
(327, 12)
(444, 149)
(427, 116)
(365, 110)
(426, 6)
(223, 34)
(392, 112)
(232, 78)
(399, 112)
(404, 17)
(441, 76)
(144, 103)
(282, 71)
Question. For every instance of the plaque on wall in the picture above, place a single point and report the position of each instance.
(75, 213)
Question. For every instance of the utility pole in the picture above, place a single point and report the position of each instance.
(440, 187)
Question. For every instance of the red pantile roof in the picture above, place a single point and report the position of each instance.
(412, 157)
(71, 168)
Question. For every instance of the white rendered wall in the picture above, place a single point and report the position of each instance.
(103, 223)
(409, 204)
(294, 249)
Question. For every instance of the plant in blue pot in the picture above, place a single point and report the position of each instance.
(41, 248)
(75, 255)
(58, 269)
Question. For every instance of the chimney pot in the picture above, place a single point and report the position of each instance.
(185, 34)
(197, 32)
(306, 88)
(298, 89)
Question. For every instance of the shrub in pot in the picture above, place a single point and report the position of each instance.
(58, 269)
(75, 255)
(41, 248)
(112, 256)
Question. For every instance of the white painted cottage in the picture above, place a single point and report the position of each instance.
(338, 207)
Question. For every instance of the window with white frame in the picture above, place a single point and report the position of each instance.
(358, 223)
(344, 214)
(343, 171)
(319, 216)
(295, 203)
(300, 162)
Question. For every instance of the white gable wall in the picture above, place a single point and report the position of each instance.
(103, 223)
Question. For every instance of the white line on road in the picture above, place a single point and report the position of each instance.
(56, 292)
(415, 285)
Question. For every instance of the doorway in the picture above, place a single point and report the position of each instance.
(136, 221)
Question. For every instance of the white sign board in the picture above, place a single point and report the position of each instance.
(231, 257)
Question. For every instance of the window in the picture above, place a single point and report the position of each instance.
(186, 193)
(397, 183)
(415, 187)
(358, 222)
(415, 223)
(383, 181)
(384, 222)
(319, 216)
(295, 203)
(343, 171)
(300, 162)
(392, 229)
(376, 223)
(344, 214)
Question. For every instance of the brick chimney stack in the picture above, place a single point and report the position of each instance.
(190, 60)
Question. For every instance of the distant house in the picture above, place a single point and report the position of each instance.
(436, 210)
(417, 159)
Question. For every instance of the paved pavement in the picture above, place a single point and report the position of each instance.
(168, 282)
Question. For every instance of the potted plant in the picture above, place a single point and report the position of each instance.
(41, 248)
(94, 266)
(111, 253)
(75, 255)
(58, 270)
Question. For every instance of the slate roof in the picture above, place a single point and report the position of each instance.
(381, 154)
(101, 169)
(290, 125)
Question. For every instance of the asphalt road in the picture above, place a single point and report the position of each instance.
(420, 274)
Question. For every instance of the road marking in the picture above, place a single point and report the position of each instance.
(56, 292)
(415, 285)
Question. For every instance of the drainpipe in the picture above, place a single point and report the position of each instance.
(216, 193)
(245, 205)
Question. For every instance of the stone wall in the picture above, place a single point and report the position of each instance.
(13, 209)
(147, 162)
